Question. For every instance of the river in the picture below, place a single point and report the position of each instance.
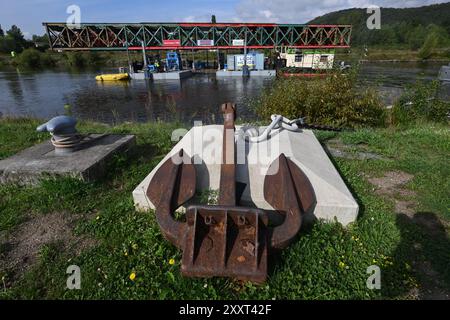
(44, 94)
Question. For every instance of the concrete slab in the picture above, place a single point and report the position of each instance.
(253, 73)
(140, 75)
(88, 163)
(173, 75)
(334, 200)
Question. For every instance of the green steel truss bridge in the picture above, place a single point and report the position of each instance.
(195, 36)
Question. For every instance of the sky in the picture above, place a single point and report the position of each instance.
(29, 14)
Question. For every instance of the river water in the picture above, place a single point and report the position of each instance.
(44, 94)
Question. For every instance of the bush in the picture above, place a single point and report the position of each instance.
(76, 59)
(30, 58)
(92, 58)
(47, 59)
(333, 100)
(420, 102)
(426, 50)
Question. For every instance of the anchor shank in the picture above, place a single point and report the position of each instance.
(227, 193)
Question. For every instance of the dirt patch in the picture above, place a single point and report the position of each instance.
(405, 207)
(391, 181)
(338, 149)
(20, 249)
(392, 184)
(430, 289)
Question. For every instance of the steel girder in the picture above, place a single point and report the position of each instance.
(115, 36)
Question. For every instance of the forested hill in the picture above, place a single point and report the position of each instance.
(409, 26)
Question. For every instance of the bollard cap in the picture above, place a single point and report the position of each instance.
(59, 125)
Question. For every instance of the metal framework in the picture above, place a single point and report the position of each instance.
(179, 36)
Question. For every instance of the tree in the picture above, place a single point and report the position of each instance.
(430, 43)
(40, 42)
(2, 34)
(213, 18)
(15, 33)
(15, 40)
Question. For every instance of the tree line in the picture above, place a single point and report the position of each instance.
(423, 28)
(14, 40)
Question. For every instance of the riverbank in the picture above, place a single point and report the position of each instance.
(374, 54)
(53, 59)
(403, 226)
(34, 59)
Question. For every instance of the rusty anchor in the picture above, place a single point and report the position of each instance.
(227, 239)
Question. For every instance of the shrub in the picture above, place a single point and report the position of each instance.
(92, 58)
(30, 58)
(426, 50)
(47, 59)
(420, 102)
(76, 59)
(333, 100)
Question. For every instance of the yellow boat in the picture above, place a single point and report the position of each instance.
(112, 77)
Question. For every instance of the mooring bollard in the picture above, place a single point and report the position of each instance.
(65, 137)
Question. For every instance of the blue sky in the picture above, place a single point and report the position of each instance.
(29, 14)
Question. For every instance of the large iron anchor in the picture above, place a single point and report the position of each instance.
(228, 239)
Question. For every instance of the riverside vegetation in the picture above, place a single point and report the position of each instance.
(402, 191)
(337, 100)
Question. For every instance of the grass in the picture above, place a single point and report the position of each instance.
(326, 262)
(390, 54)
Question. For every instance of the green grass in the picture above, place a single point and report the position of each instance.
(390, 54)
(326, 262)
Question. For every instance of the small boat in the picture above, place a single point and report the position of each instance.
(112, 77)
(444, 73)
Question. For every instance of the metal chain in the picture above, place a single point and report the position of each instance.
(279, 121)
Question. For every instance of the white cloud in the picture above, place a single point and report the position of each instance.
(301, 11)
(188, 19)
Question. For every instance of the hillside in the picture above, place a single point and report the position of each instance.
(408, 27)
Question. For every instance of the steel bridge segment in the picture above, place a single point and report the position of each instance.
(119, 36)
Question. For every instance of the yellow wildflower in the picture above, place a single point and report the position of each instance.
(132, 276)
(172, 261)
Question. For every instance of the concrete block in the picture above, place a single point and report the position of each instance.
(173, 75)
(88, 163)
(253, 73)
(204, 144)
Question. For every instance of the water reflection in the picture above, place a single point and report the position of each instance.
(390, 79)
(195, 98)
(14, 84)
(44, 94)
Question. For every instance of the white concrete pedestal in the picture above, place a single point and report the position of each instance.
(204, 144)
